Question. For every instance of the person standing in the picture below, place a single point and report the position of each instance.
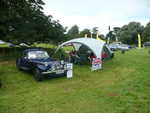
(92, 56)
(77, 58)
(103, 56)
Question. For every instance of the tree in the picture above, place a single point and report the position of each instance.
(12, 12)
(102, 36)
(129, 33)
(116, 29)
(73, 32)
(58, 33)
(146, 33)
(24, 21)
(125, 35)
(85, 31)
(94, 32)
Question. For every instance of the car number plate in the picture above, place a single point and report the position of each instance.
(59, 71)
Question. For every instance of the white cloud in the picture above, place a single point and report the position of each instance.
(89, 14)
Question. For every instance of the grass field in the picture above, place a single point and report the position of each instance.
(121, 86)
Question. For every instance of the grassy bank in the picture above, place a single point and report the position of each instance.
(121, 86)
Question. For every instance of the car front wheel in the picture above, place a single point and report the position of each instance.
(38, 75)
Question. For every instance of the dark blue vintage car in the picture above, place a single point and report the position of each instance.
(39, 61)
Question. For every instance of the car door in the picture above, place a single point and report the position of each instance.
(25, 62)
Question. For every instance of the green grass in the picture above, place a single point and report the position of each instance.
(121, 86)
(4, 45)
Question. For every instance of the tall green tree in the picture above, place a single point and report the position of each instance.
(129, 33)
(24, 21)
(146, 33)
(94, 32)
(12, 12)
(73, 32)
(116, 29)
(124, 35)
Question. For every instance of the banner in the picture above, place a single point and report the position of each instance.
(96, 64)
(70, 70)
(98, 37)
(139, 41)
(97, 34)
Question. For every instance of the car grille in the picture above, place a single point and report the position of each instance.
(56, 66)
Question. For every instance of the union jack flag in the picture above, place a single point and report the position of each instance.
(96, 61)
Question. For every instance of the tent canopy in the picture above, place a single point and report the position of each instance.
(95, 46)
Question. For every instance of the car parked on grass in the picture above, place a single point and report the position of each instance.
(11, 45)
(39, 61)
(147, 44)
(118, 46)
(69, 44)
(131, 47)
(22, 44)
(2, 42)
(113, 47)
(124, 47)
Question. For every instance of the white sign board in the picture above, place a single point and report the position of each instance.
(96, 64)
(70, 70)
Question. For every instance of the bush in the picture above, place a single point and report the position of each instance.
(14, 53)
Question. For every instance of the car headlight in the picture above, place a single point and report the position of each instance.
(46, 64)
(62, 62)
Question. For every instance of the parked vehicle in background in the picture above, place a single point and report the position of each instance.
(113, 47)
(131, 47)
(23, 44)
(146, 44)
(69, 44)
(11, 45)
(124, 47)
(118, 46)
(2, 42)
(38, 61)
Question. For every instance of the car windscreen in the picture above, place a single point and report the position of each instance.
(37, 54)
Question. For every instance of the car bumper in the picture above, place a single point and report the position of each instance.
(61, 71)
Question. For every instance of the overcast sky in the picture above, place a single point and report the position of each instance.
(98, 13)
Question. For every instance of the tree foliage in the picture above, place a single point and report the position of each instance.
(146, 33)
(85, 31)
(94, 32)
(73, 32)
(24, 21)
(116, 29)
(101, 36)
(129, 33)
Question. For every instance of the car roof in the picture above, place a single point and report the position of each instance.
(28, 50)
